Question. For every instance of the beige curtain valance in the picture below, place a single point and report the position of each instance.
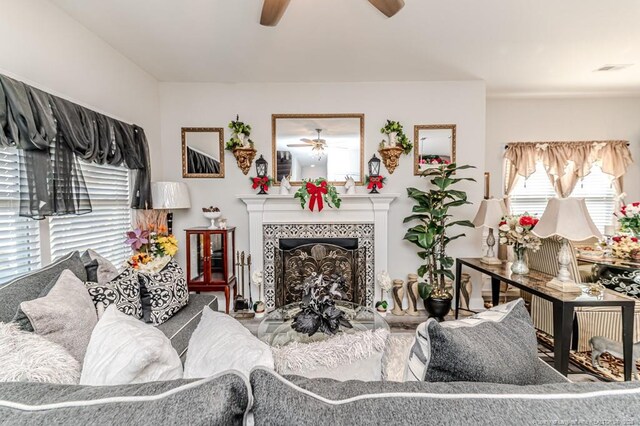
(566, 162)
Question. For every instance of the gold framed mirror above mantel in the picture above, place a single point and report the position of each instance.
(202, 152)
(433, 144)
(308, 146)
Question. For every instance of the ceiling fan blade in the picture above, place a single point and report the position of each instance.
(272, 11)
(305, 140)
(296, 145)
(388, 7)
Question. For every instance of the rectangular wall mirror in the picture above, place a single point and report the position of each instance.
(202, 152)
(308, 146)
(433, 144)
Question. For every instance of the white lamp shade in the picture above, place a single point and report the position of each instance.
(490, 213)
(567, 218)
(170, 195)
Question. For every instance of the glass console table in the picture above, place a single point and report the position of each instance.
(275, 329)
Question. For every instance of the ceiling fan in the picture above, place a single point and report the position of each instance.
(317, 145)
(313, 143)
(272, 10)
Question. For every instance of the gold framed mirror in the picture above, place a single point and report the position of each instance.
(433, 144)
(308, 146)
(202, 152)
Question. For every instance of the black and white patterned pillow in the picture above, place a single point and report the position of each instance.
(163, 293)
(122, 291)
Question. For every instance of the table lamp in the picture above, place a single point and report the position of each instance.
(569, 219)
(170, 196)
(489, 216)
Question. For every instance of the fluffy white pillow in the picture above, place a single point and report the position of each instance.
(125, 350)
(348, 356)
(221, 343)
(29, 357)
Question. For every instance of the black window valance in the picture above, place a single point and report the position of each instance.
(52, 134)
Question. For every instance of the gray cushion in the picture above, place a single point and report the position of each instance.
(65, 316)
(181, 326)
(220, 400)
(278, 401)
(29, 286)
(21, 319)
(99, 269)
(496, 346)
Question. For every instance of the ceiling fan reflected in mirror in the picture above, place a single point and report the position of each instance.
(272, 10)
(317, 145)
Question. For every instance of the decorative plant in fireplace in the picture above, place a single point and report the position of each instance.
(432, 234)
(319, 311)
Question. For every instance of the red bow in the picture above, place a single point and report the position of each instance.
(375, 181)
(261, 181)
(316, 194)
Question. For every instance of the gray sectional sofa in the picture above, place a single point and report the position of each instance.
(266, 398)
(270, 399)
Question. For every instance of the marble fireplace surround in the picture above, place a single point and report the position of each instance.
(280, 216)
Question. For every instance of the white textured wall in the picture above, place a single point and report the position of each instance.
(42, 46)
(462, 103)
(511, 120)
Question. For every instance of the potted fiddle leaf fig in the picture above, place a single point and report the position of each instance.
(433, 233)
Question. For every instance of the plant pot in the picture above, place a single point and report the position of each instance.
(438, 307)
(393, 138)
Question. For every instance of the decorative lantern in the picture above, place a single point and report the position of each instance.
(374, 172)
(374, 166)
(261, 171)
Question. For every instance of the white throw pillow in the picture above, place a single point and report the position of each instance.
(29, 357)
(125, 350)
(221, 343)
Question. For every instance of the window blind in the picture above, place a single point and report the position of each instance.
(531, 195)
(102, 230)
(19, 237)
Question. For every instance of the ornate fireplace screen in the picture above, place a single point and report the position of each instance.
(298, 258)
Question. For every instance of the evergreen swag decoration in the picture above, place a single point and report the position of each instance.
(318, 191)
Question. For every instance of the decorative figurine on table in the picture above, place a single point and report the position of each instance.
(258, 307)
(349, 185)
(384, 281)
(398, 295)
(285, 186)
(374, 180)
(261, 181)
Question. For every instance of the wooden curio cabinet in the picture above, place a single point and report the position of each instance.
(210, 266)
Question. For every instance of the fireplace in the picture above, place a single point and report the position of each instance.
(354, 242)
(298, 258)
(361, 216)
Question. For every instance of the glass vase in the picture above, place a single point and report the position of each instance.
(519, 265)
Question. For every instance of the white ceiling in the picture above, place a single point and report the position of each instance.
(516, 46)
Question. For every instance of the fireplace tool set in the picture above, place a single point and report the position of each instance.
(242, 305)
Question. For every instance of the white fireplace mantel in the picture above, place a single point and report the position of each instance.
(284, 209)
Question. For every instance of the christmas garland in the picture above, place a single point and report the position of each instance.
(317, 192)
